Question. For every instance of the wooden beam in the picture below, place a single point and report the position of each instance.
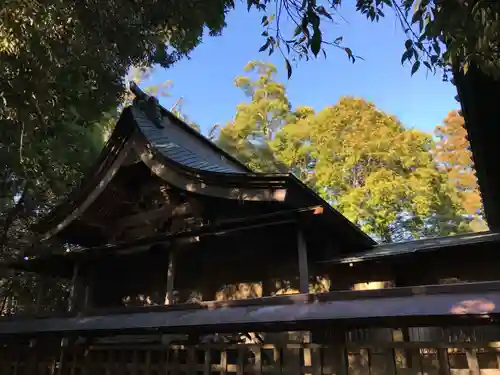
(303, 266)
(148, 217)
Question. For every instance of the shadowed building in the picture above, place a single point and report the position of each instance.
(181, 260)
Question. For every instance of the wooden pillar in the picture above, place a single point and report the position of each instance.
(72, 292)
(303, 266)
(169, 295)
(39, 295)
(444, 364)
(472, 361)
(89, 286)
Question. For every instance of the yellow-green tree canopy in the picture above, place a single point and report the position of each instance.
(455, 160)
(363, 161)
(256, 121)
(378, 173)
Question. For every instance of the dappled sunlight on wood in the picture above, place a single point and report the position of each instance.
(478, 306)
(373, 285)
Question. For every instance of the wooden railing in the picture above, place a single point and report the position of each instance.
(405, 358)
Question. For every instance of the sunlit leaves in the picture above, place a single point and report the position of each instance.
(367, 164)
(455, 159)
(361, 160)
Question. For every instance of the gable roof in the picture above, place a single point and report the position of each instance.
(183, 157)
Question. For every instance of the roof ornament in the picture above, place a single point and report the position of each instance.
(148, 104)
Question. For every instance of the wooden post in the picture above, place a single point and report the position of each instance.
(39, 295)
(89, 283)
(72, 292)
(169, 296)
(444, 364)
(472, 361)
(303, 266)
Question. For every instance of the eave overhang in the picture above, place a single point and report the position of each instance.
(187, 160)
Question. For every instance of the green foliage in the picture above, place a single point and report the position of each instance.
(257, 121)
(440, 33)
(367, 164)
(64, 59)
(378, 173)
(41, 166)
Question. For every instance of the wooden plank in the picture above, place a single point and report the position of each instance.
(448, 291)
(207, 368)
(39, 296)
(89, 286)
(72, 292)
(223, 362)
(169, 296)
(472, 361)
(303, 265)
(444, 363)
(432, 300)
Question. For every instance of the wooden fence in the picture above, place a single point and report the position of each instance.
(467, 356)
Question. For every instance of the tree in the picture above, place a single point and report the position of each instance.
(257, 121)
(61, 59)
(364, 162)
(455, 160)
(375, 171)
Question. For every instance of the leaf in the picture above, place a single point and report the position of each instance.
(437, 48)
(465, 67)
(338, 40)
(297, 31)
(316, 42)
(406, 56)
(428, 65)
(417, 16)
(415, 67)
(349, 54)
(264, 21)
(321, 10)
(288, 68)
(265, 46)
(408, 44)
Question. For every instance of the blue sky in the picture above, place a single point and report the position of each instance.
(206, 80)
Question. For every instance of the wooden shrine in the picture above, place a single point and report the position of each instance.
(180, 260)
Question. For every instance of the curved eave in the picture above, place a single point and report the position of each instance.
(185, 159)
(284, 188)
(111, 158)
